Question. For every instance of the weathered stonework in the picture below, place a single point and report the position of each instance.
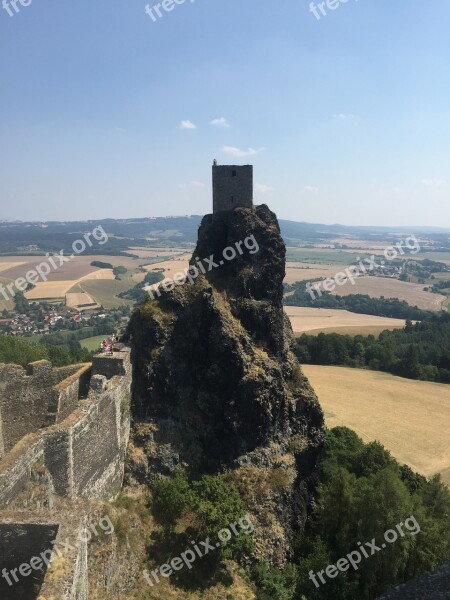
(30, 398)
(232, 187)
(64, 446)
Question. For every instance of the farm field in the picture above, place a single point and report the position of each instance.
(57, 289)
(320, 256)
(7, 265)
(410, 418)
(176, 265)
(443, 257)
(296, 271)
(92, 343)
(76, 268)
(81, 300)
(327, 320)
(104, 292)
(375, 287)
(162, 253)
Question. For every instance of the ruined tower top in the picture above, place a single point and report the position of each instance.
(232, 187)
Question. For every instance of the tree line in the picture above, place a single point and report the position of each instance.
(357, 303)
(419, 351)
(58, 350)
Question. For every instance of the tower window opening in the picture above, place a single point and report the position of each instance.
(233, 173)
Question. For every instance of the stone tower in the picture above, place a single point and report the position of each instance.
(232, 187)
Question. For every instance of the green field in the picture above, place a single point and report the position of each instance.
(92, 343)
(436, 256)
(326, 256)
(105, 291)
(64, 333)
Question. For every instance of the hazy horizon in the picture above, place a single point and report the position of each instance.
(130, 218)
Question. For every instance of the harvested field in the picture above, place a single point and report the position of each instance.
(56, 289)
(75, 269)
(100, 274)
(163, 253)
(327, 320)
(177, 265)
(410, 418)
(104, 292)
(296, 271)
(375, 287)
(7, 265)
(81, 300)
(49, 289)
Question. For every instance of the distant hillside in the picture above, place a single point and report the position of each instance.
(37, 237)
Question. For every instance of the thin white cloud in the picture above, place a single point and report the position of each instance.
(310, 189)
(434, 183)
(221, 122)
(239, 153)
(191, 184)
(263, 188)
(187, 125)
(344, 116)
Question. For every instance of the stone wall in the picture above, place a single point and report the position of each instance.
(84, 453)
(79, 457)
(232, 187)
(66, 395)
(26, 396)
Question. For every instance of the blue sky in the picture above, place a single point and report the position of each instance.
(346, 118)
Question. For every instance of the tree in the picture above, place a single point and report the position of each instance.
(21, 304)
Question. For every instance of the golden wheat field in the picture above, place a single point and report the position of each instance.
(171, 267)
(410, 418)
(328, 320)
(57, 289)
(296, 271)
(375, 287)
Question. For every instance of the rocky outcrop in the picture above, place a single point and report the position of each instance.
(435, 586)
(216, 386)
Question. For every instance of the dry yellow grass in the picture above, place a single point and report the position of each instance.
(49, 289)
(305, 319)
(143, 252)
(99, 274)
(57, 289)
(364, 330)
(76, 268)
(410, 418)
(296, 271)
(138, 277)
(413, 293)
(80, 299)
(177, 265)
(4, 266)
